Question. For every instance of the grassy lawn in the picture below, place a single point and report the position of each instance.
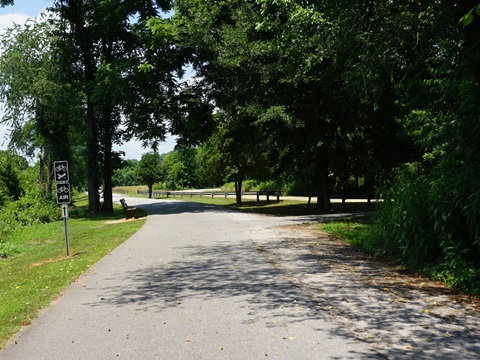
(282, 208)
(39, 270)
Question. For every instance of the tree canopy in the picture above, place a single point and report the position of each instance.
(148, 170)
(325, 95)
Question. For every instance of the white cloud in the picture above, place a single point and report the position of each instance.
(7, 20)
(134, 150)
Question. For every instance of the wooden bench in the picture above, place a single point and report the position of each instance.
(263, 193)
(129, 211)
(351, 196)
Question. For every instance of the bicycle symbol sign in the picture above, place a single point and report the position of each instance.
(60, 168)
(63, 189)
(63, 193)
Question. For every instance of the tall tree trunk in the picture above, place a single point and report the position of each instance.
(107, 163)
(92, 161)
(321, 175)
(41, 172)
(238, 187)
(73, 11)
(107, 180)
(50, 179)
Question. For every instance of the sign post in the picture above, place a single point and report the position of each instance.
(65, 225)
(63, 194)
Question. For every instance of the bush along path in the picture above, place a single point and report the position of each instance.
(402, 316)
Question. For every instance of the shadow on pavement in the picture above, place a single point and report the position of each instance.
(234, 271)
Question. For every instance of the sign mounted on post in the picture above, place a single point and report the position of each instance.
(60, 168)
(64, 211)
(63, 193)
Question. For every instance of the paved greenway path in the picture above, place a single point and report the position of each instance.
(199, 282)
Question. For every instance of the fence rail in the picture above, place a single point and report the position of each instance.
(212, 194)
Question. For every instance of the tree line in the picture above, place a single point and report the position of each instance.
(313, 93)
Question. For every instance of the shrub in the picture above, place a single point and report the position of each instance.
(429, 219)
(30, 209)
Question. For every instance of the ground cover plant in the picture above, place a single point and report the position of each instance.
(38, 270)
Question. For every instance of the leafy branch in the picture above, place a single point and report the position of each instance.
(470, 16)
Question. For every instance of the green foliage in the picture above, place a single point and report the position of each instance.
(4, 3)
(429, 217)
(32, 208)
(356, 232)
(148, 170)
(211, 170)
(22, 202)
(402, 218)
(470, 16)
(248, 185)
(181, 169)
(125, 176)
(40, 108)
(11, 167)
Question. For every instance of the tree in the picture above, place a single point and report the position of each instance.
(128, 82)
(258, 58)
(11, 166)
(217, 36)
(42, 110)
(431, 208)
(181, 168)
(125, 175)
(148, 170)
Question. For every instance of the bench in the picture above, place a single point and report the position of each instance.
(263, 193)
(129, 211)
(351, 196)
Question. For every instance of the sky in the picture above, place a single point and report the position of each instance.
(19, 13)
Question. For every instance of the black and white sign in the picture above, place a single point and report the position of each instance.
(64, 211)
(64, 197)
(63, 193)
(60, 168)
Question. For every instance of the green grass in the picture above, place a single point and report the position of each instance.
(274, 208)
(282, 208)
(130, 190)
(39, 269)
(355, 232)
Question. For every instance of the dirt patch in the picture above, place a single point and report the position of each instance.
(49, 261)
(111, 222)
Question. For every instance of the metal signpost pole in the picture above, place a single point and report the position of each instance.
(65, 225)
(63, 194)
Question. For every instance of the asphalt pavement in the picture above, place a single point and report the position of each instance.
(192, 283)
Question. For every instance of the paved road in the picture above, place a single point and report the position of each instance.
(191, 284)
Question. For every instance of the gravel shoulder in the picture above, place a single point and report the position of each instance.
(400, 315)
